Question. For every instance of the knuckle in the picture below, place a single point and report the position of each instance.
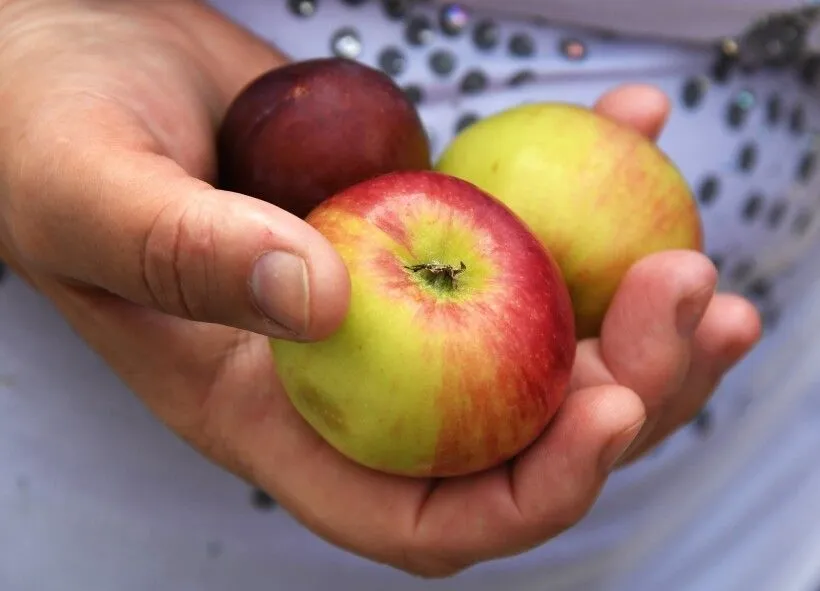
(178, 258)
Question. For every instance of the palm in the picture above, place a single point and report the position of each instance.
(217, 386)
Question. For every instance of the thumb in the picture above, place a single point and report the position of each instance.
(137, 225)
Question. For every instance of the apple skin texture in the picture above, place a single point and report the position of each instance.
(302, 132)
(431, 380)
(598, 194)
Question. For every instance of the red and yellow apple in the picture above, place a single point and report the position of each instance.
(457, 347)
(598, 194)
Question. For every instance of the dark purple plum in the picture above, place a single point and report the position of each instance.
(299, 134)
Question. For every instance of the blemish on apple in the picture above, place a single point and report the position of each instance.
(322, 407)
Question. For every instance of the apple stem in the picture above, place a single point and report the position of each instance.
(437, 275)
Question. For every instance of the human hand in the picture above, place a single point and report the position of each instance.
(109, 115)
(109, 111)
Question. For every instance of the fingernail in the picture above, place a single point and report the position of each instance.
(280, 286)
(619, 446)
(690, 312)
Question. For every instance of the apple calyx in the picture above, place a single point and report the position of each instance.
(438, 276)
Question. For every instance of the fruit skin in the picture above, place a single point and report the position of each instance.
(598, 194)
(304, 131)
(423, 381)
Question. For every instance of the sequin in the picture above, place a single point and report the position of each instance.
(806, 167)
(414, 93)
(747, 158)
(486, 35)
(693, 91)
(419, 31)
(392, 61)
(522, 45)
(262, 500)
(759, 288)
(726, 61)
(453, 19)
(442, 62)
(303, 8)
(752, 207)
(797, 120)
(573, 49)
(708, 190)
(475, 81)
(810, 71)
(703, 422)
(346, 43)
(739, 108)
(396, 9)
(774, 108)
(465, 121)
(521, 78)
(742, 270)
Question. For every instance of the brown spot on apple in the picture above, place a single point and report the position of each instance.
(322, 407)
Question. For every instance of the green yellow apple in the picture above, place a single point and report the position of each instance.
(458, 344)
(600, 195)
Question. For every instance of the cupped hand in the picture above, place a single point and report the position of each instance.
(108, 117)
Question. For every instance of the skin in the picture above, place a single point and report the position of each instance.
(580, 174)
(434, 373)
(134, 109)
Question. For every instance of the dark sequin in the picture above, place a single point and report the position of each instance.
(303, 8)
(486, 35)
(262, 500)
(708, 190)
(392, 61)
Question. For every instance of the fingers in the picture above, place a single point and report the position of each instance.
(136, 225)
(641, 106)
(730, 328)
(646, 337)
(548, 488)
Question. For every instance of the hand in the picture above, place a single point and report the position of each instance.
(105, 207)
(109, 110)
